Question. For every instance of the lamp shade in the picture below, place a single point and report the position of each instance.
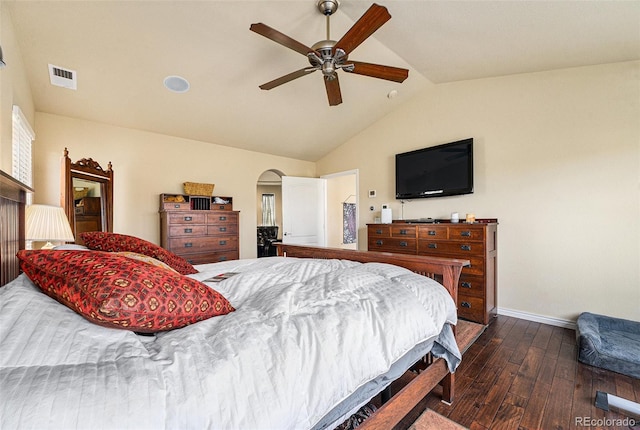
(47, 223)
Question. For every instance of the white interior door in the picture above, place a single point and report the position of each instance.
(304, 211)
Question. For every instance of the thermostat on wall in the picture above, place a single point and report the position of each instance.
(372, 193)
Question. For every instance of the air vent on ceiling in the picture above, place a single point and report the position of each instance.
(62, 77)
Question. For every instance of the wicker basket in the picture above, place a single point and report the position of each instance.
(196, 189)
(80, 192)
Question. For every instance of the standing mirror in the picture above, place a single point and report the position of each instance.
(86, 195)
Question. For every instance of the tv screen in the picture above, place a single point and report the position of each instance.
(437, 171)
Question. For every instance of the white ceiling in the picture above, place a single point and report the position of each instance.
(123, 50)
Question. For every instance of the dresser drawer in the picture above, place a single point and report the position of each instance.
(175, 206)
(462, 232)
(222, 218)
(471, 285)
(476, 267)
(459, 249)
(471, 308)
(187, 245)
(211, 257)
(378, 231)
(186, 218)
(222, 229)
(433, 232)
(403, 246)
(403, 231)
(187, 230)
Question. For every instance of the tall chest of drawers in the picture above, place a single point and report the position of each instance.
(476, 242)
(208, 234)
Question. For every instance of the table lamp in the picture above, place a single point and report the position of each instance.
(47, 224)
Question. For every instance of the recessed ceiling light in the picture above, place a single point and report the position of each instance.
(177, 84)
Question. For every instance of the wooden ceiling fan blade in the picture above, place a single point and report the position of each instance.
(333, 90)
(368, 23)
(287, 78)
(389, 73)
(281, 38)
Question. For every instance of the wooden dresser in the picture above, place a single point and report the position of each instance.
(199, 229)
(477, 242)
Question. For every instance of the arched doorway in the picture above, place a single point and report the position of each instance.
(269, 211)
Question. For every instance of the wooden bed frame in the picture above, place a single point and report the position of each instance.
(388, 416)
(446, 271)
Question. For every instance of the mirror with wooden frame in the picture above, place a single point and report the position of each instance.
(86, 194)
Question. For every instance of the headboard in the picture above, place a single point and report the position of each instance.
(13, 198)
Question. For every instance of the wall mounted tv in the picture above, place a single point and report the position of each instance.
(437, 171)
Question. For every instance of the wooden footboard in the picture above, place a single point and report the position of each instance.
(447, 272)
(444, 270)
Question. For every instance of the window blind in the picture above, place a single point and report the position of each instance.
(23, 136)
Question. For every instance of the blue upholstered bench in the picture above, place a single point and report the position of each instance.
(609, 343)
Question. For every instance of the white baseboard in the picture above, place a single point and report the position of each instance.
(558, 322)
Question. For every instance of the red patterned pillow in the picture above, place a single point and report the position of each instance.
(114, 242)
(120, 292)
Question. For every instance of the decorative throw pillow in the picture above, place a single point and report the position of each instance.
(120, 292)
(146, 259)
(114, 242)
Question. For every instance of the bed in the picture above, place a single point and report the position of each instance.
(308, 342)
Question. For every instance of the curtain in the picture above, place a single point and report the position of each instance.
(268, 209)
(348, 223)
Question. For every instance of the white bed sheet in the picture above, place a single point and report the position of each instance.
(282, 360)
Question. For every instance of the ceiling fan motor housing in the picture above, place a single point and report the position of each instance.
(328, 7)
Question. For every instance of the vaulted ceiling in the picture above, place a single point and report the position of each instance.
(123, 50)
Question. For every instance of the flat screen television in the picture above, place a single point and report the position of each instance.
(437, 171)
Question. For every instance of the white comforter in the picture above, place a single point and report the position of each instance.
(305, 336)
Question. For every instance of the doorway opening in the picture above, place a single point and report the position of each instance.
(269, 212)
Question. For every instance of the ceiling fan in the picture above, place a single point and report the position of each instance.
(329, 56)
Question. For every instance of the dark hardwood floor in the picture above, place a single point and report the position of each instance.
(525, 375)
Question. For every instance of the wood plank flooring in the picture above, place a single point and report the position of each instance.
(525, 375)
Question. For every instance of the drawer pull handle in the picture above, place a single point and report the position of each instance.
(403, 232)
(223, 228)
(176, 206)
(223, 242)
(465, 284)
(188, 245)
(432, 233)
(379, 242)
(188, 230)
(465, 305)
(379, 231)
(222, 208)
(188, 218)
(465, 233)
(403, 243)
(223, 218)
(433, 245)
(222, 258)
(466, 247)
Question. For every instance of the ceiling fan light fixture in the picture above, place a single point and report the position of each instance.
(176, 84)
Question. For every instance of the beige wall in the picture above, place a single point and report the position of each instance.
(14, 88)
(557, 160)
(148, 164)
